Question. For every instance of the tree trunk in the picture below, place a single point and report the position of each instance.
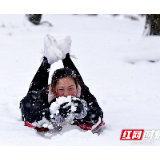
(34, 18)
(152, 26)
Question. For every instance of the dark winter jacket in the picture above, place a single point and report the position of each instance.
(35, 106)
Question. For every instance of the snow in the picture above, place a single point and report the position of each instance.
(54, 108)
(118, 64)
(67, 102)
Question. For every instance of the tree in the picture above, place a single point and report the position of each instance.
(34, 18)
(152, 25)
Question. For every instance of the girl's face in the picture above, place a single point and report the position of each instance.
(66, 87)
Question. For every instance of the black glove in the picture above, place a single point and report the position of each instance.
(77, 107)
(81, 107)
(78, 104)
(64, 110)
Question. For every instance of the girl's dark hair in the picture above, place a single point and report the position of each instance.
(61, 73)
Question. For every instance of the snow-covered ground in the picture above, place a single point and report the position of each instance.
(114, 60)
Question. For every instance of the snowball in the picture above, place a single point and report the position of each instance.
(60, 100)
(73, 108)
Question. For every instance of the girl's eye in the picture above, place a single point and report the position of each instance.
(60, 89)
(70, 89)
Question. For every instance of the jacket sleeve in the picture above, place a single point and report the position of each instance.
(94, 111)
(35, 106)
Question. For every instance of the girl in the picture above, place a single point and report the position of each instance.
(36, 106)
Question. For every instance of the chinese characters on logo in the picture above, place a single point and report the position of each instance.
(139, 134)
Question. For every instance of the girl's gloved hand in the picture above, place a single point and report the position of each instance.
(68, 109)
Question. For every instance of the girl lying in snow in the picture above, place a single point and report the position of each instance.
(66, 100)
